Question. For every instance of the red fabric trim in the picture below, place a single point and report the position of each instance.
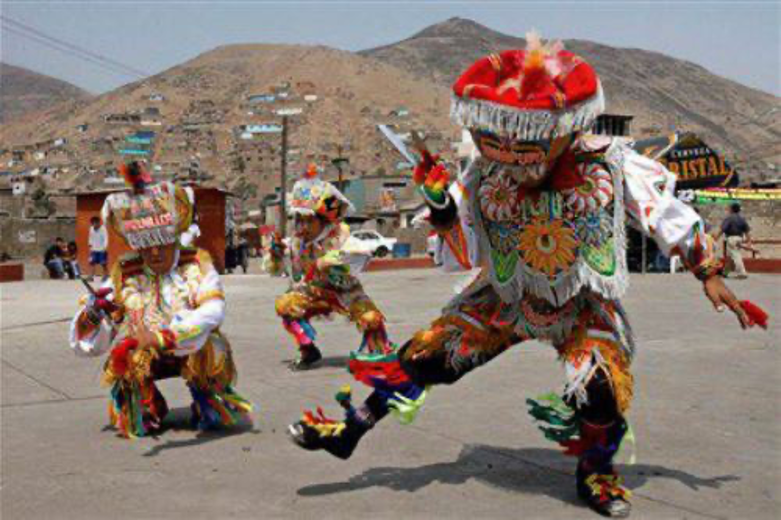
(369, 373)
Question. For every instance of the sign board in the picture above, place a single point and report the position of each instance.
(694, 163)
(27, 236)
(387, 200)
(732, 195)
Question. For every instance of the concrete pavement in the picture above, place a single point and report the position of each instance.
(705, 418)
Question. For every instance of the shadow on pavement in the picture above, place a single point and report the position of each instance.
(527, 470)
(180, 419)
(326, 362)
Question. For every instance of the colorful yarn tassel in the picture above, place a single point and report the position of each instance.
(384, 373)
(126, 410)
(405, 409)
(218, 407)
(377, 369)
(558, 421)
(756, 314)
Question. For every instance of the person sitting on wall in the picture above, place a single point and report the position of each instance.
(70, 260)
(52, 259)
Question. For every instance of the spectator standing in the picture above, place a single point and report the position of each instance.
(98, 247)
(737, 233)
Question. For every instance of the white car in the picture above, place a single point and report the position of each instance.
(373, 242)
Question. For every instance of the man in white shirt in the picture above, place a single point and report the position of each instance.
(98, 246)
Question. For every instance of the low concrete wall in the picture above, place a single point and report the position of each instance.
(28, 238)
(764, 217)
(415, 237)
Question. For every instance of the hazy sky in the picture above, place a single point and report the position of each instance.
(738, 40)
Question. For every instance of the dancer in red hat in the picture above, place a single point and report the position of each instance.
(546, 206)
(322, 261)
(159, 314)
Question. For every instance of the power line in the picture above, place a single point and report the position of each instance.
(63, 50)
(76, 50)
(73, 47)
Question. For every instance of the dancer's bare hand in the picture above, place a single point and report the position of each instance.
(721, 297)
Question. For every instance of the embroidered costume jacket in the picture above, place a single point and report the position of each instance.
(187, 305)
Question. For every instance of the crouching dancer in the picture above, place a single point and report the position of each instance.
(159, 315)
(546, 205)
(322, 261)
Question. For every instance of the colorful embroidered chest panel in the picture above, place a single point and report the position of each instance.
(322, 261)
(154, 300)
(551, 242)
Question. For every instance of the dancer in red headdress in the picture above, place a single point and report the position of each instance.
(545, 205)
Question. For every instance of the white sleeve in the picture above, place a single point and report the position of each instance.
(191, 327)
(96, 343)
(457, 246)
(654, 209)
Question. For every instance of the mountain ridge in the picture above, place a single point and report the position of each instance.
(24, 91)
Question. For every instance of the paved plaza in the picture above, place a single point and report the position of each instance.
(706, 419)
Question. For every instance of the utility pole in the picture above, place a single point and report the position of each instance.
(339, 163)
(283, 181)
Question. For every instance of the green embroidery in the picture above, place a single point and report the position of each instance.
(602, 258)
(504, 265)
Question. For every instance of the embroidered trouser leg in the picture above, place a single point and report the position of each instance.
(297, 307)
(211, 375)
(590, 419)
(137, 407)
(467, 336)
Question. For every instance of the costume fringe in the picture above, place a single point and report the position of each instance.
(558, 421)
(405, 409)
(219, 406)
(560, 424)
(384, 373)
(526, 125)
(126, 409)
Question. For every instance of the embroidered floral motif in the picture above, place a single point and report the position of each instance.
(548, 246)
(499, 198)
(596, 191)
(594, 229)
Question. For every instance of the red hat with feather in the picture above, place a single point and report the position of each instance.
(537, 93)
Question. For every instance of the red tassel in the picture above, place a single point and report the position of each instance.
(755, 313)
(120, 355)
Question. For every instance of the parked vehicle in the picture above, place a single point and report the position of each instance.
(377, 244)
